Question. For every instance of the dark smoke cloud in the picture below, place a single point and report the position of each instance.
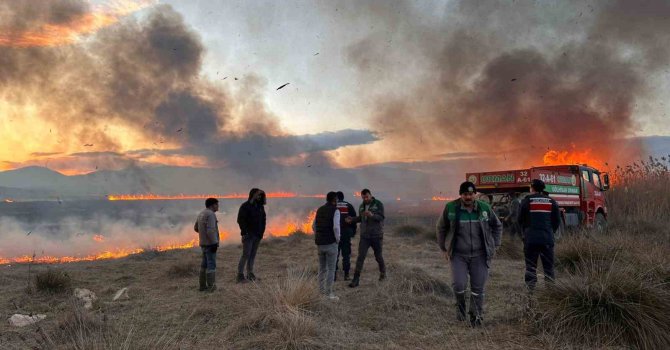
(498, 76)
(145, 74)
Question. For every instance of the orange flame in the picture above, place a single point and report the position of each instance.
(112, 254)
(66, 33)
(149, 196)
(99, 238)
(9, 200)
(292, 227)
(555, 157)
(440, 198)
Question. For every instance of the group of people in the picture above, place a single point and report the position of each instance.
(468, 233)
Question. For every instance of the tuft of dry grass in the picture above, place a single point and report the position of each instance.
(183, 269)
(53, 281)
(280, 316)
(606, 305)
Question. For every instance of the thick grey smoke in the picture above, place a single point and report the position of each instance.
(511, 76)
(145, 74)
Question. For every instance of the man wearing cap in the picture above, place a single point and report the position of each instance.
(539, 217)
(468, 232)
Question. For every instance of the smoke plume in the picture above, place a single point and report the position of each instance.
(517, 78)
(135, 84)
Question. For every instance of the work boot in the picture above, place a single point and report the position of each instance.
(203, 280)
(333, 297)
(346, 275)
(356, 281)
(240, 278)
(476, 309)
(460, 306)
(382, 276)
(211, 281)
(251, 277)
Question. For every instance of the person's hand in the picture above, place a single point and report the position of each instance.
(368, 213)
(348, 219)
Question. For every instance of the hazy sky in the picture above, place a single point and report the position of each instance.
(395, 80)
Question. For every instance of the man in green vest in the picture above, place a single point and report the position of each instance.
(468, 232)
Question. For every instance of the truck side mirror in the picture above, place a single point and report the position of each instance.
(606, 181)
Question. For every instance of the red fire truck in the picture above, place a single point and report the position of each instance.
(578, 189)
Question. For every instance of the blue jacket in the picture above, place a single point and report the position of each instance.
(539, 217)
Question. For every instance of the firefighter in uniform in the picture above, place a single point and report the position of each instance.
(348, 232)
(539, 217)
(468, 233)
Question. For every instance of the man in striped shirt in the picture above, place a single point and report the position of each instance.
(539, 218)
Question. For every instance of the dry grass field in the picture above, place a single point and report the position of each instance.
(611, 292)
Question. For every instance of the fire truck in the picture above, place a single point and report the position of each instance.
(578, 190)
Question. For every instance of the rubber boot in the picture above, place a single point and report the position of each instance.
(203, 280)
(211, 281)
(476, 308)
(382, 276)
(356, 281)
(240, 278)
(460, 306)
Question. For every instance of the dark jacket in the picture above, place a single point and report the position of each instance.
(371, 227)
(449, 224)
(539, 217)
(251, 219)
(347, 210)
(324, 231)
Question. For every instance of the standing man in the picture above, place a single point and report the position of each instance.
(371, 217)
(348, 232)
(539, 218)
(512, 218)
(326, 227)
(207, 227)
(468, 232)
(251, 219)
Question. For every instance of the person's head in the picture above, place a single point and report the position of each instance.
(467, 192)
(537, 186)
(260, 197)
(212, 204)
(366, 195)
(514, 195)
(331, 197)
(252, 194)
(340, 196)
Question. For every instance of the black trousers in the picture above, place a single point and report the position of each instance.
(546, 254)
(344, 249)
(250, 245)
(363, 245)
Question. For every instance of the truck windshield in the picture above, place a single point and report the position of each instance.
(596, 180)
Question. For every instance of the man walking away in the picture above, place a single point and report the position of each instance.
(539, 217)
(251, 219)
(208, 232)
(371, 217)
(512, 218)
(469, 232)
(348, 232)
(326, 227)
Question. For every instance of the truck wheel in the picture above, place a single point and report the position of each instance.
(600, 223)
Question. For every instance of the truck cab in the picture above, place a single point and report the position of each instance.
(578, 190)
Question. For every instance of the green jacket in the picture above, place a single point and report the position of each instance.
(371, 227)
(450, 221)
